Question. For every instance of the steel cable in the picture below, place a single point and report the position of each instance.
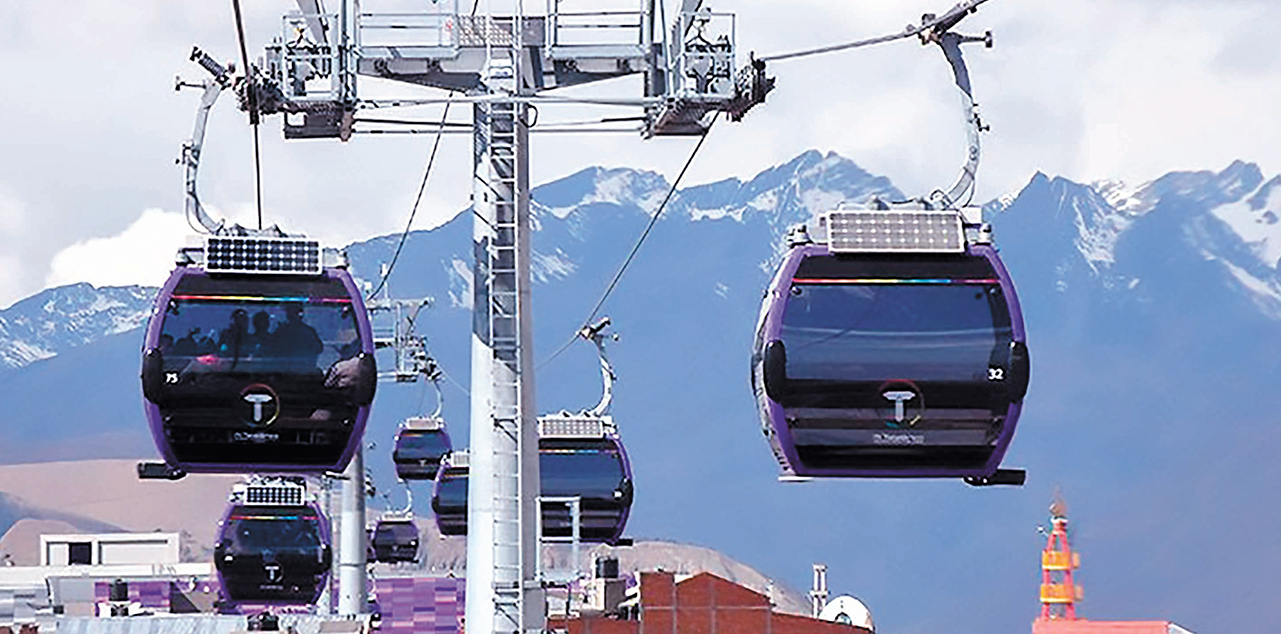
(636, 248)
(417, 200)
(947, 20)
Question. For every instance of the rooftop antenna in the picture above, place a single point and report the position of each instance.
(818, 595)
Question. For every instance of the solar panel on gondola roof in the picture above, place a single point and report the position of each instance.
(253, 254)
(907, 231)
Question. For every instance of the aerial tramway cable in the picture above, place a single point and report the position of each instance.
(929, 23)
(431, 160)
(636, 248)
(251, 93)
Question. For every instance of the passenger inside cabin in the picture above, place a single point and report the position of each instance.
(344, 372)
(192, 344)
(260, 337)
(234, 343)
(296, 342)
(166, 343)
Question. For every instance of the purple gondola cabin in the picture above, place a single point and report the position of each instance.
(262, 371)
(892, 347)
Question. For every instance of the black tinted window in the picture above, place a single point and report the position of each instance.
(233, 334)
(251, 529)
(588, 473)
(411, 445)
(919, 331)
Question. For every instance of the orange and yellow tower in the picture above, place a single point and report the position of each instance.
(1058, 592)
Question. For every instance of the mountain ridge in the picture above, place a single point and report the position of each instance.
(1101, 212)
(1153, 387)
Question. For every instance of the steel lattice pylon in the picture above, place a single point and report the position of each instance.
(501, 61)
(503, 485)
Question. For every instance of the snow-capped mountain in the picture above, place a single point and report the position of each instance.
(792, 192)
(1114, 238)
(58, 319)
(1153, 335)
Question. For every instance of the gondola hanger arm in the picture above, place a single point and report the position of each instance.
(930, 24)
(191, 150)
(962, 189)
(597, 335)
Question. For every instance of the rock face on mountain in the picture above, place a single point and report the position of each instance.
(1152, 315)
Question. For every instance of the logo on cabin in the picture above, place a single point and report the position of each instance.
(259, 405)
(905, 404)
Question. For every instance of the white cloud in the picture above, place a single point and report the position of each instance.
(13, 261)
(12, 213)
(141, 254)
(1088, 89)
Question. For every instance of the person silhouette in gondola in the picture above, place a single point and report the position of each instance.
(260, 336)
(296, 342)
(233, 342)
(187, 346)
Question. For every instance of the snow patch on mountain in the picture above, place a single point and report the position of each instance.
(1255, 220)
(818, 201)
(616, 186)
(1101, 213)
(15, 354)
(58, 319)
(547, 267)
(1266, 294)
(716, 213)
(787, 194)
(1000, 204)
(1124, 198)
(460, 284)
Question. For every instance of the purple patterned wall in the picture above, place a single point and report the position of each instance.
(152, 594)
(431, 605)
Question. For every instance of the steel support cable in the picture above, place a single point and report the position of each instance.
(251, 93)
(946, 21)
(431, 160)
(257, 176)
(635, 248)
(569, 130)
(434, 124)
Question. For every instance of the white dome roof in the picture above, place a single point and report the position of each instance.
(847, 609)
